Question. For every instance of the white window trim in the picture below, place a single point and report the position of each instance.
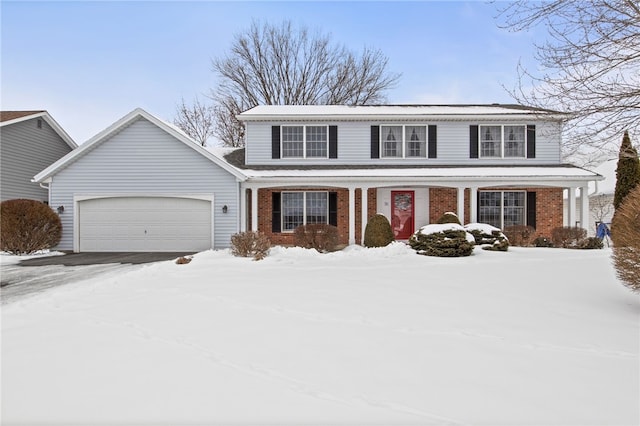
(304, 209)
(403, 147)
(502, 126)
(502, 205)
(304, 141)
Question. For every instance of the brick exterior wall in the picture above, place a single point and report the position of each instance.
(549, 209)
(265, 211)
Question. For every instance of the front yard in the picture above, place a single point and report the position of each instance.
(362, 336)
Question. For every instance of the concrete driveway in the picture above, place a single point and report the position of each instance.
(37, 275)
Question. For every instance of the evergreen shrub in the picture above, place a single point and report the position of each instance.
(442, 240)
(449, 217)
(590, 243)
(319, 236)
(250, 244)
(378, 232)
(542, 241)
(27, 226)
(567, 236)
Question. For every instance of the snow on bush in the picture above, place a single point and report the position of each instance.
(488, 236)
(442, 240)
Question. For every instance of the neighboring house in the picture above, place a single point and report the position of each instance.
(29, 142)
(143, 185)
(498, 164)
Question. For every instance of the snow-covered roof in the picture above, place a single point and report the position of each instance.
(524, 173)
(270, 112)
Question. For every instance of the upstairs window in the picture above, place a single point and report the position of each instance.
(304, 141)
(502, 141)
(403, 141)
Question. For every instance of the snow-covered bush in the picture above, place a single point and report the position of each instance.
(488, 236)
(449, 217)
(541, 241)
(319, 236)
(250, 244)
(27, 226)
(590, 243)
(519, 235)
(567, 236)
(378, 232)
(442, 240)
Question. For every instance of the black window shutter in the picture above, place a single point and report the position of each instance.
(531, 141)
(473, 141)
(276, 207)
(433, 142)
(333, 208)
(375, 141)
(333, 141)
(531, 209)
(275, 142)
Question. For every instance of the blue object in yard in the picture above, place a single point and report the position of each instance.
(603, 231)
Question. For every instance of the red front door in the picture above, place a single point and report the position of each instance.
(402, 214)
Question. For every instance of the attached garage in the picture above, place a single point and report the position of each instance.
(144, 185)
(145, 224)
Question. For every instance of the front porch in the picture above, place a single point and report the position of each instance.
(540, 207)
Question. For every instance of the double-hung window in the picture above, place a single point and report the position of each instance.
(403, 141)
(502, 141)
(502, 208)
(302, 208)
(304, 141)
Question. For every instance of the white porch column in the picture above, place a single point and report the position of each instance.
(364, 202)
(242, 202)
(254, 209)
(473, 201)
(352, 215)
(571, 211)
(461, 204)
(584, 208)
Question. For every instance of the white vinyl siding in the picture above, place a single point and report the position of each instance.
(26, 150)
(145, 160)
(354, 144)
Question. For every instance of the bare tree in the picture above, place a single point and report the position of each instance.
(196, 120)
(590, 67)
(281, 65)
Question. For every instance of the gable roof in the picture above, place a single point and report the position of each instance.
(333, 112)
(8, 118)
(121, 124)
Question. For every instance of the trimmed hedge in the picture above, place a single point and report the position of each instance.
(378, 232)
(432, 240)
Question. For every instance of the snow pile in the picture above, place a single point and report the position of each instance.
(360, 336)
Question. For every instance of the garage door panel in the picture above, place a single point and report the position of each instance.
(145, 224)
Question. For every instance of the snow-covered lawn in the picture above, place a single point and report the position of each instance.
(362, 336)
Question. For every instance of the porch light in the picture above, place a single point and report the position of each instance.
(225, 209)
(60, 209)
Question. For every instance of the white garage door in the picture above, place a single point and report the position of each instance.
(144, 224)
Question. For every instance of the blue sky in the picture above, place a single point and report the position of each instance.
(89, 63)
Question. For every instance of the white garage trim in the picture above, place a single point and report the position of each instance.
(77, 199)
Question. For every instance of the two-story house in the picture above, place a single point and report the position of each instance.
(497, 164)
(144, 185)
